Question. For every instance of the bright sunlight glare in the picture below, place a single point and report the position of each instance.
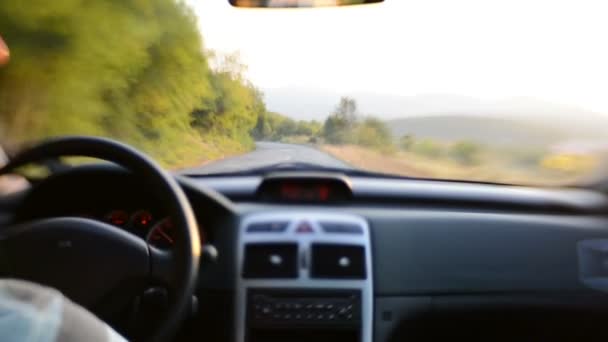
(547, 49)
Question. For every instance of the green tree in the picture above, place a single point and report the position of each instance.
(132, 70)
(235, 108)
(339, 126)
(427, 148)
(372, 132)
(263, 128)
(275, 126)
(465, 152)
(406, 142)
(287, 128)
(347, 111)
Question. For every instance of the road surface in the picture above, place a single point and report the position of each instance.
(268, 153)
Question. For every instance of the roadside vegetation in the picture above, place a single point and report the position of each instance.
(367, 142)
(272, 126)
(136, 71)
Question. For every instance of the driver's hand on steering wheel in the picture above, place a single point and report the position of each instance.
(33, 313)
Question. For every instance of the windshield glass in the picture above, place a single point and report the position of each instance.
(500, 91)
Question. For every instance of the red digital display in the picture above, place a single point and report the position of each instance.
(305, 192)
(307, 189)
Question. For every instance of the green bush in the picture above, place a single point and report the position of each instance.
(139, 74)
(465, 152)
(336, 131)
(373, 133)
(427, 148)
(339, 127)
(406, 142)
(528, 158)
(278, 127)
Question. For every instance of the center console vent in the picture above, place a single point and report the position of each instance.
(338, 261)
(271, 260)
(303, 275)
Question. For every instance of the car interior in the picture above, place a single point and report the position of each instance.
(296, 251)
(281, 254)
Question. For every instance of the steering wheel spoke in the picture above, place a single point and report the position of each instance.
(162, 266)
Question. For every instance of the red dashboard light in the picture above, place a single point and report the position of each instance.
(305, 192)
(296, 188)
(324, 192)
(142, 219)
(118, 217)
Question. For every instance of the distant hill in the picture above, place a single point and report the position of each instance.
(475, 128)
(453, 117)
(307, 103)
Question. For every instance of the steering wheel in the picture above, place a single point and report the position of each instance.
(88, 259)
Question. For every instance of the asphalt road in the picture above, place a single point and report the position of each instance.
(268, 153)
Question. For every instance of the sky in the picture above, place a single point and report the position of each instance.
(552, 50)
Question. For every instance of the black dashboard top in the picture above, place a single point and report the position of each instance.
(426, 193)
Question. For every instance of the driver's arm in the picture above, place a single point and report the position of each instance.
(33, 313)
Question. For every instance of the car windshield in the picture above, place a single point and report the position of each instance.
(475, 90)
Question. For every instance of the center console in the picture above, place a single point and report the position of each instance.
(304, 276)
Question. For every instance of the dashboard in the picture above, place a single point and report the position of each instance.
(369, 259)
(154, 228)
(113, 198)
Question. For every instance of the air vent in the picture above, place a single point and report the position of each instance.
(271, 260)
(336, 261)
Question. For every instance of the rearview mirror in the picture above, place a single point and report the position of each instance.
(299, 3)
